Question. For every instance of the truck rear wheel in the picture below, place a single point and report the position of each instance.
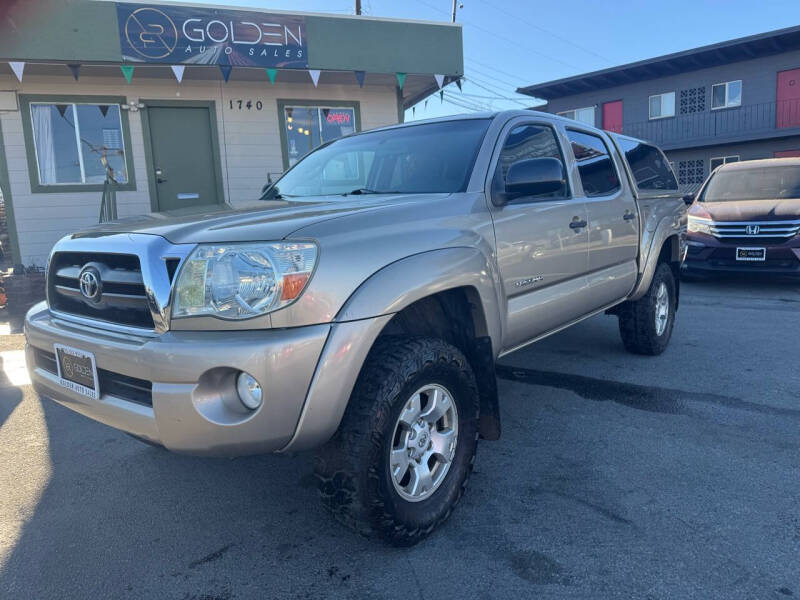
(646, 324)
(403, 453)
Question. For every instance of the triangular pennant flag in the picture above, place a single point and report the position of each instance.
(226, 71)
(18, 68)
(127, 70)
(62, 108)
(425, 106)
(441, 96)
(360, 77)
(314, 76)
(413, 110)
(76, 69)
(458, 83)
(439, 80)
(178, 70)
(271, 73)
(103, 109)
(401, 79)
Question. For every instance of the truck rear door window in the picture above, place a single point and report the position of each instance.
(595, 166)
(649, 166)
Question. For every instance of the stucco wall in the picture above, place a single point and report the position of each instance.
(249, 140)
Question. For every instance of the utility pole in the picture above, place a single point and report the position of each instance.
(358, 7)
(454, 10)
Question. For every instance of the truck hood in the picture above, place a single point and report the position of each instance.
(748, 210)
(258, 221)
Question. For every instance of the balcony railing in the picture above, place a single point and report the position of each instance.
(748, 120)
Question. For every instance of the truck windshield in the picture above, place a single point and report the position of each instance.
(764, 183)
(425, 158)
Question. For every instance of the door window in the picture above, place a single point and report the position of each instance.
(595, 165)
(648, 164)
(525, 142)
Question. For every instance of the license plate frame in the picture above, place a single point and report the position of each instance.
(749, 253)
(77, 370)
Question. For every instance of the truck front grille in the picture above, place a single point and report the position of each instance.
(120, 296)
(765, 231)
(120, 386)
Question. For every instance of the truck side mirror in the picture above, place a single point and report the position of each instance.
(534, 176)
(688, 199)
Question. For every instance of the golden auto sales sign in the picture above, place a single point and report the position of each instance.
(211, 36)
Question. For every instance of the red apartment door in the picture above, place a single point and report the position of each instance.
(612, 116)
(787, 109)
(786, 153)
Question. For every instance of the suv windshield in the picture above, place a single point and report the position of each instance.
(426, 158)
(764, 183)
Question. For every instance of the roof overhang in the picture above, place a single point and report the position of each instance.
(745, 48)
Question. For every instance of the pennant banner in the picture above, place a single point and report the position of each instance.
(178, 70)
(360, 77)
(401, 79)
(439, 80)
(62, 108)
(127, 71)
(413, 111)
(441, 96)
(314, 76)
(271, 73)
(458, 83)
(75, 69)
(226, 72)
(103, 109)
(18, 68)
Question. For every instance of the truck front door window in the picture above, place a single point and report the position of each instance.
(526, 142)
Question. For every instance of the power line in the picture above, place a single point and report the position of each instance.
(506, 39)
(488, 89)
(547, 31)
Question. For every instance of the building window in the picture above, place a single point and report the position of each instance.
(72, 141)
(726, 95)
(662, 105)
(584, 115)
(691, 171)
(721, 160)
(306, 127)
(595, 167)
(693, 100)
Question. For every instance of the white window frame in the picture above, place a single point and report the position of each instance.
(573, 114)
(74, 109)
(725, 160)
(728, 103)
(661, 95)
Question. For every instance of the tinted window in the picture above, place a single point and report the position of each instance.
(429, 158)
(650, 169)
(595, 166)
(525, 142)
(764, 183)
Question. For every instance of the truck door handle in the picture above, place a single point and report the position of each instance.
(577, 223)
(628, 216)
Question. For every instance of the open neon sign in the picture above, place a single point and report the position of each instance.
(338, 117)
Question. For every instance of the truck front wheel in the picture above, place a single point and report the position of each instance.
(404, 451)
(646, 324)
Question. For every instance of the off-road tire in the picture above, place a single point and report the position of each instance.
(637, 319)
(352, 469)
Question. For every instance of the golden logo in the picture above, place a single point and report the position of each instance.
(151, 33)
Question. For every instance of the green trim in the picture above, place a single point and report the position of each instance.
(282, 103)
(5, 189)
(148, 143)
(25, 101)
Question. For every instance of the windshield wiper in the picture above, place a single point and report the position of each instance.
(359, 191)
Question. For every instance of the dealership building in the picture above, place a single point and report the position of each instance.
(182, 105)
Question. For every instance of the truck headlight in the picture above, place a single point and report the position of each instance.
(696, 225)
(240, 281)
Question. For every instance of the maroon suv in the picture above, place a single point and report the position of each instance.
(746, 218)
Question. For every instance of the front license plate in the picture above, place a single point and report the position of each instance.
(77, 370)
(751, 253)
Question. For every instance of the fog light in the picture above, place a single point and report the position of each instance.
(249, 390)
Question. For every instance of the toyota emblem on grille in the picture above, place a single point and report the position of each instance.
(751, 229)
(90, 285)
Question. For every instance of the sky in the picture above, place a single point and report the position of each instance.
(513, 43)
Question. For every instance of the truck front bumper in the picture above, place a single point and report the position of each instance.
(192, 405)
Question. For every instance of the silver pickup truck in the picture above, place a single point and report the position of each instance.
(360, 305)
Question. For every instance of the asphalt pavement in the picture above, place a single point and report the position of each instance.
(617, 476)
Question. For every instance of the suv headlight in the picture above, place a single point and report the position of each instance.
(696, 225)
(241, 281)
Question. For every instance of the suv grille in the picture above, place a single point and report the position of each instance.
(765, 231)
(120, 296)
